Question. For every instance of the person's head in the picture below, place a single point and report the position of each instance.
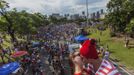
(88, 51)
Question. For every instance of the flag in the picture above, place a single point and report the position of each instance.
(107, 68)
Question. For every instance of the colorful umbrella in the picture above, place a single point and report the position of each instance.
(9, 68)
(19, 54)
(81, 38)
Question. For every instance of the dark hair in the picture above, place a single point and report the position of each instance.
(93, 41)
(82, 42)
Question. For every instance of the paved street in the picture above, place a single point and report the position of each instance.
(48, 69)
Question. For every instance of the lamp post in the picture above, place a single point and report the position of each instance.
(87, 10)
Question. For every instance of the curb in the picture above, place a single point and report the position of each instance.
(121, 68)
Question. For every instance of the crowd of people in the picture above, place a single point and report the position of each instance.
(58, 38)
(52, 42)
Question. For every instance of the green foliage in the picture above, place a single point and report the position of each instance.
(116, 47)
(112, 34)
(54, 20)
(120, 13)
(130, 28)
(79, 21)
(5, 15)
(20, 22)
(3, 4)
(23, 22)
(3, 24)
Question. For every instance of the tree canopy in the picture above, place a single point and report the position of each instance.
(19, 22)
(119, 14)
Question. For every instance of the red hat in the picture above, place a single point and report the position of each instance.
(88, 49)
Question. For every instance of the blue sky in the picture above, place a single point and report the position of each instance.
(57, 6)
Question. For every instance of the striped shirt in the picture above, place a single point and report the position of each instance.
(107, 68)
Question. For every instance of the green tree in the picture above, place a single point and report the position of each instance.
(4, 15)
(115, 16)
(53, 20)
(130, 28)
(39, 19)
(26, 23)
(21, 22)
(120, 13)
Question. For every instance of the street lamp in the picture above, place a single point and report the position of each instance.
(87, 10)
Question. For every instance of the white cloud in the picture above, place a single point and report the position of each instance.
(56, 6)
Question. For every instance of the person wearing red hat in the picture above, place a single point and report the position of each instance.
(101, 66)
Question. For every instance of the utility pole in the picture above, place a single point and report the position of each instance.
(87, 10)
